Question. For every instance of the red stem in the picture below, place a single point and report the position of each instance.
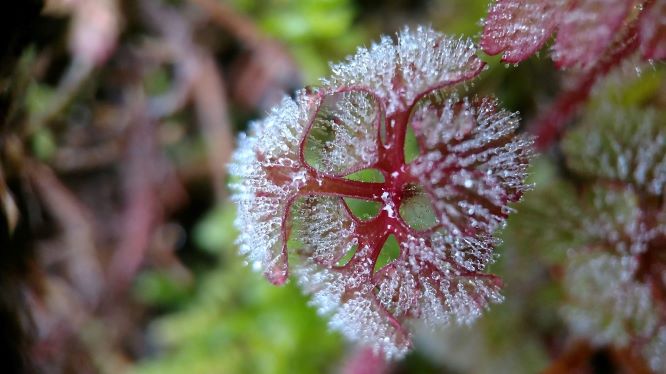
(337, 186)
(549, 126)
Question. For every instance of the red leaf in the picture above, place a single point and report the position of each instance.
(653, 32)
(587, 30)
(471, 165)
(520, 28)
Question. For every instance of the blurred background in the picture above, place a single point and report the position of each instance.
(117, 120)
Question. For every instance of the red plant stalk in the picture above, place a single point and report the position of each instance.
(548, 127)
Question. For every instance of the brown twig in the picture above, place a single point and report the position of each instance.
(211, 106)
(259, 77)
(198, 79)
(142, 206)
(234, 23)
(79, 256)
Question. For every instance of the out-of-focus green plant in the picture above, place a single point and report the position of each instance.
(37, 96)
(159, 288)
(458, 16)
(315, 31)
(237, 322)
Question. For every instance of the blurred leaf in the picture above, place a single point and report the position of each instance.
(43, 144)
(216, 230)
(627, 145)
(628, 89)
(310, 60)
(160, 289)
(315, 31)
(531, 229)
(38, 98)
(459, 16)
(605, 302)
(239, 323)
(287, 24)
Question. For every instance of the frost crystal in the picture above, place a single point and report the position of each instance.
(585, 28)
(292, 180)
